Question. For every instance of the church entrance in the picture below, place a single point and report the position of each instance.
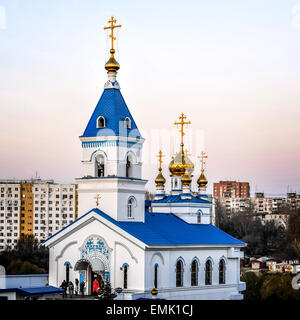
(97, 280)
(89, 272)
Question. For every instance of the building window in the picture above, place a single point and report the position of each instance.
(194, 273)
(127, 123)
(101, 122)
(222, 271)
(155, 275)
(208, 272)
(130, 207)
(125, 276)
(128, 168)
(179, 273)
(100, 166)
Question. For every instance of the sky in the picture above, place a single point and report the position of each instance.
(232, 66)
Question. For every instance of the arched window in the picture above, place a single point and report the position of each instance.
(208, 272)
(100, 166)
(155, 275)
(199, 217)
(222, 271)
(127, 123)
(67, 272)
(194, 273)
(130, 207)
(101, 122)
(128, 168)
(179, 273)
(125, 274)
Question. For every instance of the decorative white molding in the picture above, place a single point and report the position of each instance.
(112, 85)
(124, 246)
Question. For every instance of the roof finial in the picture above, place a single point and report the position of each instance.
(112, 66)
(182, 117)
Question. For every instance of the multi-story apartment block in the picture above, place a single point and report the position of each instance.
(264, 208)
(231, 189)
(37, 207)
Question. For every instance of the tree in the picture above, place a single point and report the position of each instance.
(107, 293)
(29, 250)
(293, 233)
(278, 287)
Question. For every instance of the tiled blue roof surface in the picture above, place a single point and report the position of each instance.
(113, 108)
(168, 229)
(177, 199)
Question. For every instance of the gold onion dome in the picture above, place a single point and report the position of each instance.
(179, 164)
(186, 178)
(202, 181)
(112, 64)
(160, 180)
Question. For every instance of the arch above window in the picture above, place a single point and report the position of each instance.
(101, 122)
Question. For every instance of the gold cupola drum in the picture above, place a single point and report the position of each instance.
(202, 181)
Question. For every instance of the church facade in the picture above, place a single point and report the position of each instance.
(168, 243)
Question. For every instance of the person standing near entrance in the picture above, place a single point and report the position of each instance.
(76, 286)
(95, 286)
(71, 289)
(82, 285)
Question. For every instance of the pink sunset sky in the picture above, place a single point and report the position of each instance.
(231, 66)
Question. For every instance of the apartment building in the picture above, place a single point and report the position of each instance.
(37, 207)
(231, 189)
(264, 208)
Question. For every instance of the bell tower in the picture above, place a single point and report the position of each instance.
(112, 153)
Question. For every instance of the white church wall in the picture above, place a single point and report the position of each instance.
(123, 251)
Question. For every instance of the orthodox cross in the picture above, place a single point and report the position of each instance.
(160, 156)
(112, 27)
(202, 156)
(182, 123)
(97, 197)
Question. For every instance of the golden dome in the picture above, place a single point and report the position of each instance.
(154, 291)
(179, 164)
(160, 180)
(112, 64)
(186, 178)
(202, 181)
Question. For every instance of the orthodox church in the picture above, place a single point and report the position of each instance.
(168, 244)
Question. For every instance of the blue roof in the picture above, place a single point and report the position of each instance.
(35, 291)
(168, 229)
(113, 108)
(178, 199)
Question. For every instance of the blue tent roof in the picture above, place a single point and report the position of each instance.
(113, 108)
(178, 199)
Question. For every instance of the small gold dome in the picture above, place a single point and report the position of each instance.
(202, 181)
(160, 180)
(112, 64)
(179, 164)
(154, 291)
(186, 178)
